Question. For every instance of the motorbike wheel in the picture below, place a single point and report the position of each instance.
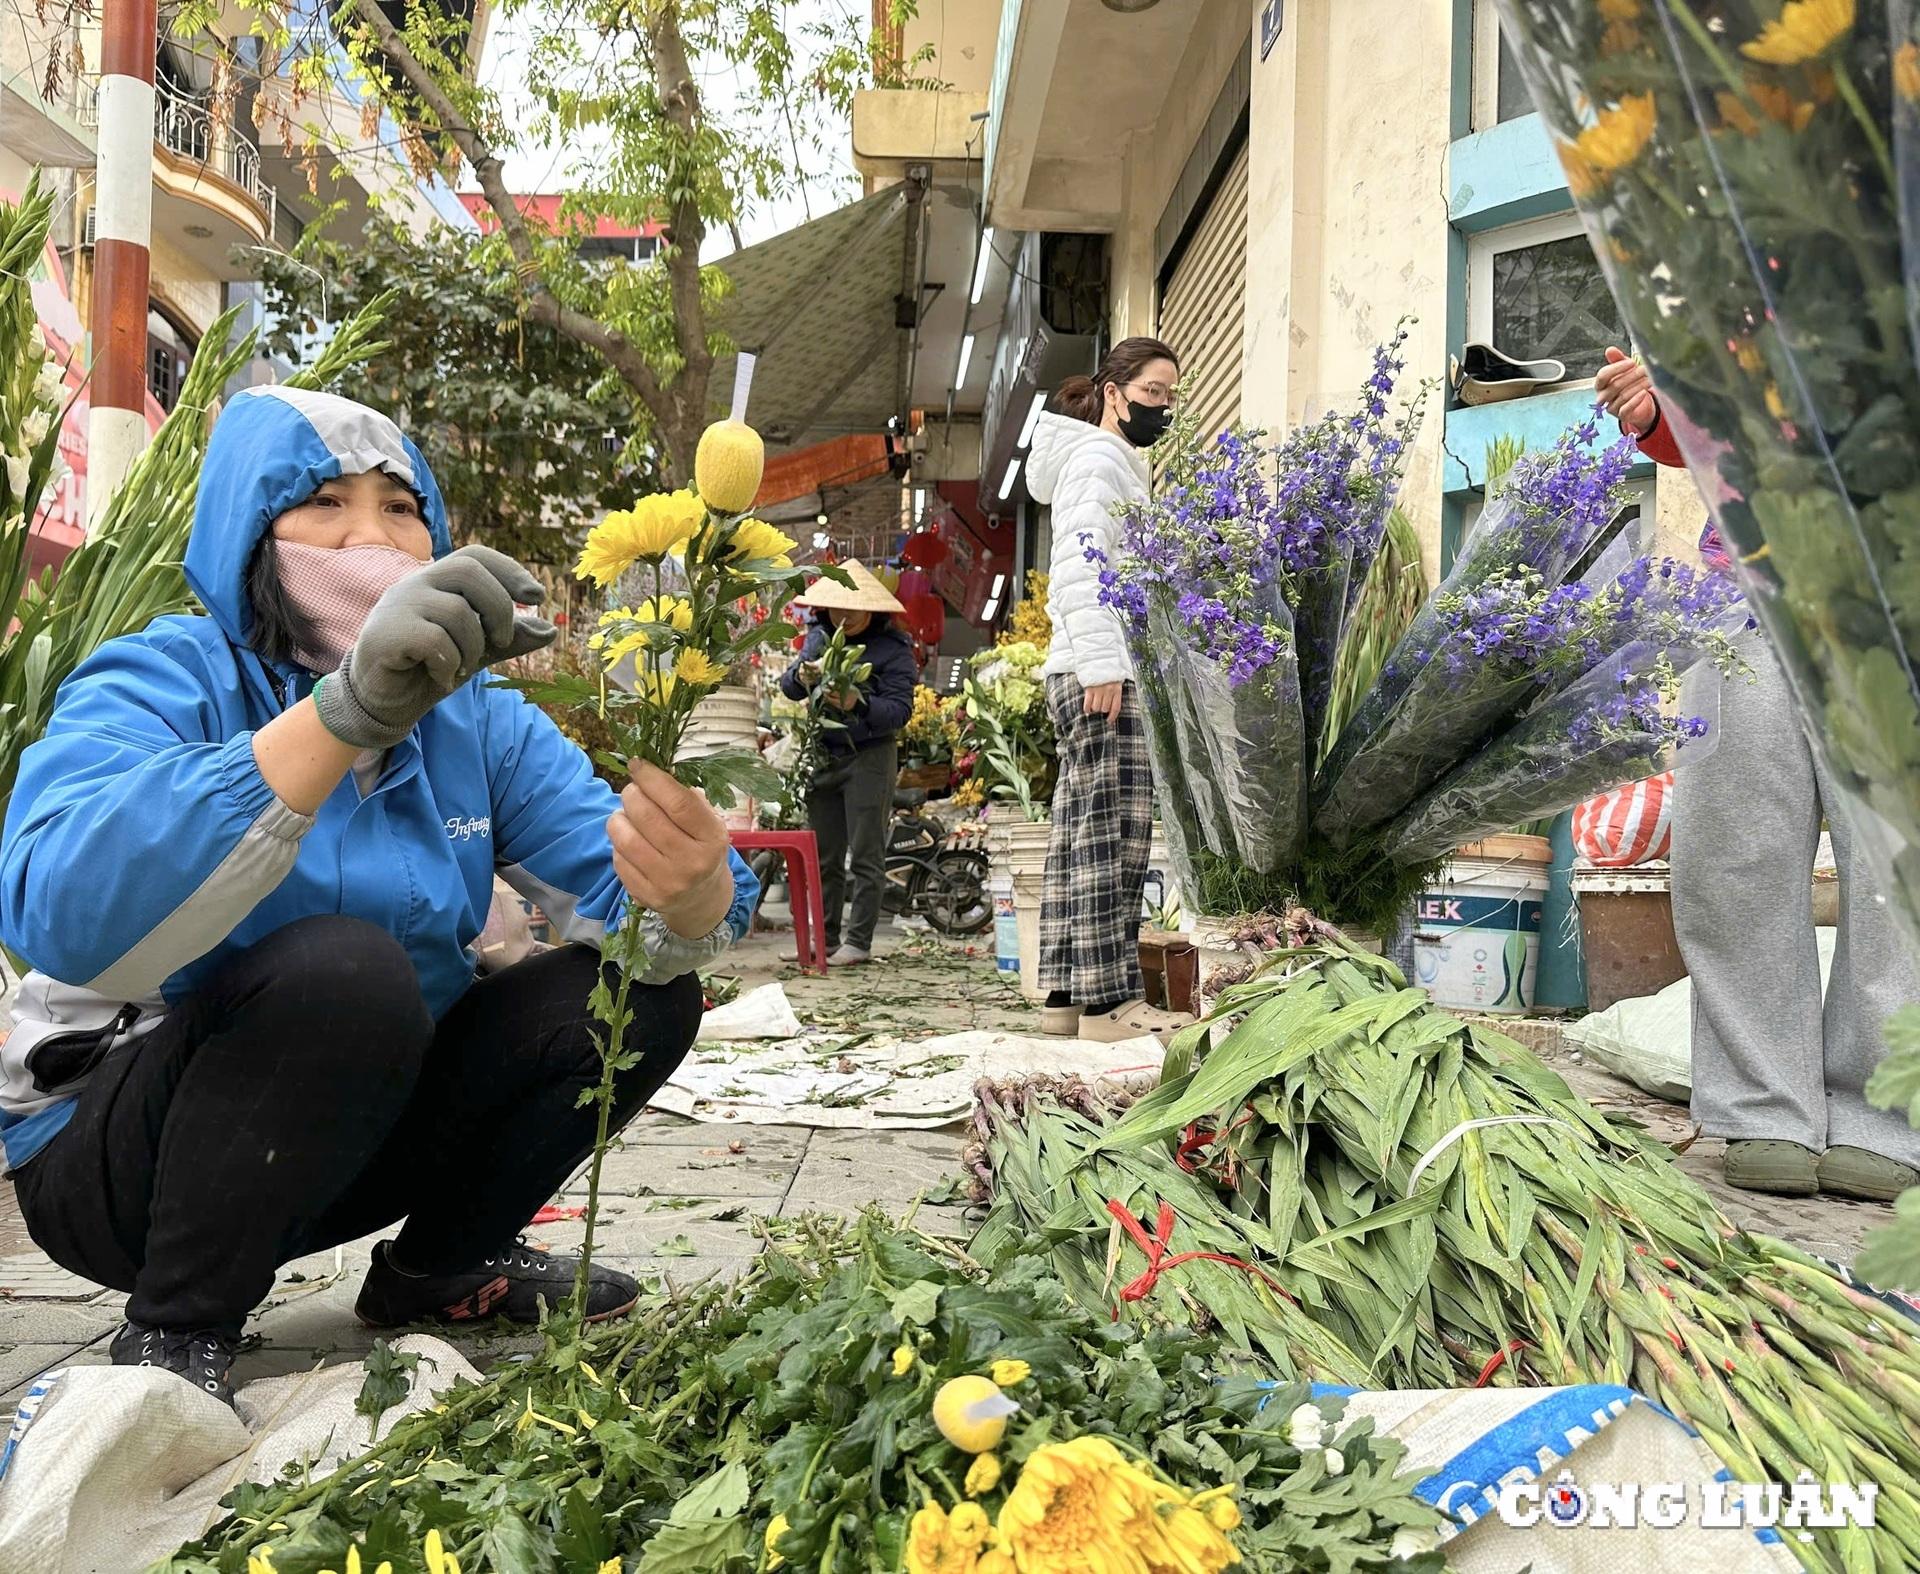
(954, 898)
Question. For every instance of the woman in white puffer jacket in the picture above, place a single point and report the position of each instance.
(1088, 457)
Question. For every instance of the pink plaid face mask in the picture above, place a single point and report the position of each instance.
(333, 589)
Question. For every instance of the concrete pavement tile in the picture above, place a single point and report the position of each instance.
(882, 1175)
(687, 1172)
(671, 1131)
(44, 1358)
(624, 1230)
(55, 1322)
(31, 1275)
(935, 1148)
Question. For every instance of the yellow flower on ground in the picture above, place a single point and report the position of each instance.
(1194, 1544)
(1221, 1508)
(645, 533)
(969, 1526)
(983, 1475)
(775, 1530)
(1009, 1373)
(1804, 30)
(1617, 135)
(932, 1547)
(260, 1560)
(971, 1413)
(699, 669)
(1906, 71)
(439, 1560)
(902, 1360)
(1082, 1505)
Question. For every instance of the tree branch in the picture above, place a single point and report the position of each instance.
(543, 305)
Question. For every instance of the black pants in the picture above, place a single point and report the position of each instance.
(851, 810)
(306, 1097)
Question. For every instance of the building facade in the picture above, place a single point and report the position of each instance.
(1271, 189)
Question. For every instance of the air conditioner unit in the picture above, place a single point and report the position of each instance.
(89, 230)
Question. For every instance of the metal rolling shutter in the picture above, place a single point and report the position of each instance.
(1203, 308)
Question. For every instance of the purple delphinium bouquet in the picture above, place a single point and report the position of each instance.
(1487, 641)
(1200, 592)
(1613, 724)
(1334, 484)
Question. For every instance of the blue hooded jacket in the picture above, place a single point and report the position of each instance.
(143, 847)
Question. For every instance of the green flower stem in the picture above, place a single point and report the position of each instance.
(1850, 96)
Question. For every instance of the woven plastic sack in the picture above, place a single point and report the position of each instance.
(110, 1468)
(1628, 826)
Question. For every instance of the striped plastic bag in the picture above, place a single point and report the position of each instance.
(1627, 826)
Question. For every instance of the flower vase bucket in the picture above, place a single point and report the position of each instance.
(728, 719)
(1476, 940)
(1027, 864)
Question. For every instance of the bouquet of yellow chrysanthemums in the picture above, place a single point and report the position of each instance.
(701, 567)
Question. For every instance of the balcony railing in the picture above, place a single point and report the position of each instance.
(184, 126)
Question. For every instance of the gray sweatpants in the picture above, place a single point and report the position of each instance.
(1767, 1060)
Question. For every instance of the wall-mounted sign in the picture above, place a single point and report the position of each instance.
(1270, 19)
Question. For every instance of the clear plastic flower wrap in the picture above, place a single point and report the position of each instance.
(1612, 724)
(1735, 165)
(1484, 642)
(1250, 744)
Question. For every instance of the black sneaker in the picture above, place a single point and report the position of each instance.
(509, 1283)
(204, 1358)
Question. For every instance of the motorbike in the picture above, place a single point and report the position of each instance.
(926, 876)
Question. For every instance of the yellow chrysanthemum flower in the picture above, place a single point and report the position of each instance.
(1008, 1373)
(1617, 135)
(777, 1528)
(1618, 10)
(969, 1527)
(932, 1547)
(1749, 356)
(649, 531)
(1804, 30)
(1081, 1499)
(674, 611)
(1906, 71)
(699, 669)
(1193, 1544)
(656, 688)
(983, 1475)
(611, 1566)
(260, 1560)
(902, 1360)
(1776, 406)
(439, 1560)
(756, 541)
(1221, 1508)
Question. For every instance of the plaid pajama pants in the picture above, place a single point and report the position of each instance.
(1097, 860)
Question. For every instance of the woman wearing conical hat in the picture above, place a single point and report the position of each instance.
(851, 804)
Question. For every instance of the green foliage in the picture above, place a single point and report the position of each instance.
(672, 1441)
(511, 412)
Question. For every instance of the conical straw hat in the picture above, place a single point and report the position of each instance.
(865, 594)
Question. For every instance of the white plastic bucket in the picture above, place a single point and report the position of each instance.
(727, 719)
(1027, 865)
(1476, 939)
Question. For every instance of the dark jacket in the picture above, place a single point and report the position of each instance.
(886, 698)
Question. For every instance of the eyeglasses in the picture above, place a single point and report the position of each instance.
(1154, 393)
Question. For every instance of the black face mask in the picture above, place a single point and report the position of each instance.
(1145, 424)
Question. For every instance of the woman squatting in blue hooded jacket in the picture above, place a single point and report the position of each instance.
(246, 864)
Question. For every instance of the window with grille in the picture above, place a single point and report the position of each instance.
(1535, 291)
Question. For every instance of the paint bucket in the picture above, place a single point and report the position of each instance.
(1476, 938)
(1027, 843)
(1006, 925)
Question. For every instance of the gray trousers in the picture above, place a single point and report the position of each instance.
(851, 811)
(1768, 1061)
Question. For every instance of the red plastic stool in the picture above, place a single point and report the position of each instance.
(802, 853)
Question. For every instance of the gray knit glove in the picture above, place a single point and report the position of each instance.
(425, 638)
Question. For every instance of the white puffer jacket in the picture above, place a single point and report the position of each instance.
(1082, 470)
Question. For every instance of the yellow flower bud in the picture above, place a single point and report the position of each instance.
(728, 465)
(902, 1360)
(1008, 1373)
(983, 1475)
